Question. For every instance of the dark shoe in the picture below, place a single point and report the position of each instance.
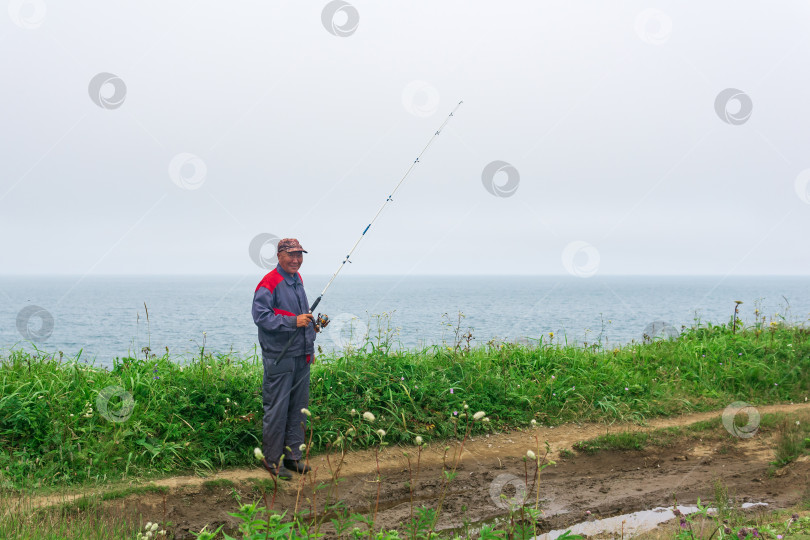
(281, 473)
(297, 466)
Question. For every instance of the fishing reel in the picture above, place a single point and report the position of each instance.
(321, 321)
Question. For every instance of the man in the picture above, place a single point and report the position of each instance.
(280, 308)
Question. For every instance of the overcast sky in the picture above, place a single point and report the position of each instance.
(631, 138)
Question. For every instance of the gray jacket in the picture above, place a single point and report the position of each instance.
(278, 300)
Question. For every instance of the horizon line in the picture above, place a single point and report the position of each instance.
(315, 274)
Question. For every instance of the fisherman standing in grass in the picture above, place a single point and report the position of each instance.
(280, 307)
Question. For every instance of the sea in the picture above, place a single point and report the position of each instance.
(99, 318)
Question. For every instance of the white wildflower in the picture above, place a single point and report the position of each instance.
(530, 455)
(306, 411)
(381, 433)
(368, 416)
(418, 440)
(258, 453)
(479, 415)
(303, 447)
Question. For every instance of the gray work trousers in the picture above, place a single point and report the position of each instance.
(285, 391)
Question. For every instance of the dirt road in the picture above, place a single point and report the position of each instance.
(607, 483)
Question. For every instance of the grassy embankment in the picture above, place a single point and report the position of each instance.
(206, 414)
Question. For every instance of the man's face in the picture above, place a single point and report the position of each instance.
(290, 261)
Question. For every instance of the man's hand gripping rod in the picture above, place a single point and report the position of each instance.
(387, 200)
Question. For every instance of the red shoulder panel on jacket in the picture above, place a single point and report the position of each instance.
(270, 281)
(299, 277)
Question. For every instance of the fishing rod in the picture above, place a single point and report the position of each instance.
(382, 207)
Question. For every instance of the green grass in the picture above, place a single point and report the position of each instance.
(628, 440)
(262, 484)
(218, 483)
(83, 519)
(703, 426)
(663, 437)
(566, 453)
(788, 435)
(206, 414)
(90, 501)
(783, 523)
(792, 440)
(84, 503)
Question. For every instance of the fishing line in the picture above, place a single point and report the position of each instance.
(382, 207)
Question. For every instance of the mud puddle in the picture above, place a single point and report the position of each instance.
(631, 524)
